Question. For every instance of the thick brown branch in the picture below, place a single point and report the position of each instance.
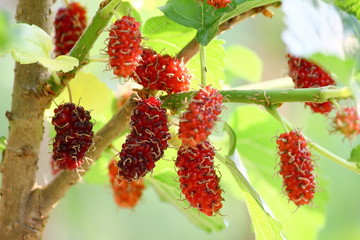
(60, 185)
(25, 134)
(192, 48)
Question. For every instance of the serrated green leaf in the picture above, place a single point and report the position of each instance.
(126, 9)
(169, 191)
(242, 62)
(205, 18)
(60, 63)
(169, 37)
(355, 154)
(256, 130)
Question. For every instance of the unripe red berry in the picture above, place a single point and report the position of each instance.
(73, 136)
(347, 121)
(198, 180)
(198, 121)
(70, 23)
(306, 74)
(296, 167)
(124, 48)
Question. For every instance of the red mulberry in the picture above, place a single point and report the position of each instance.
(296, 167)
(73, 136)
(70, 23)
(126, 195)
(306, 74)
(219, 3)
(198, 121)
(124, 48)
(146, 142)
(162, 72)
(198, 180)
(347, 121)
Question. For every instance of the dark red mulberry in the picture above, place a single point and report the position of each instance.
(146, 142)
(162, 72)
(70, 23)
(296, 167)
(73, 136)
(306, 74)
(124, 48)
(198, 179)
(198, 121)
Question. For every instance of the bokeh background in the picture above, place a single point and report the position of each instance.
(88, 210)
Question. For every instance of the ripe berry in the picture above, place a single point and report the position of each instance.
(198, 180)
(146, 142)
(198, 121)
(73, 136)
(70, 23)
(161, 72)
(124, 48)
(125, 194)
(219, 3)
(306, 74)
(296, 167)
(347, 122)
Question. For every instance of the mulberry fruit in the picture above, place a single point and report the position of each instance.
(124, 48)
(162, 72)
(219, 3)
(146, 142)
(126, 195)
(198, 180)
(347, 121)
(73, 136)
(70, 23)
(306, 74)
(198, 121)
(296, 167)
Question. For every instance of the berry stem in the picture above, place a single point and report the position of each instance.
(85, 43)
(323, 151)
(116, 13)
(203, 65)
(336, 104)
(272, 109)
(56, 78)
(69, 90)
(266, 97)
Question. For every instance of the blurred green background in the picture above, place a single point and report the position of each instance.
(88, 210)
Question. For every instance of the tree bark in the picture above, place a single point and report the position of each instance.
(17, 220)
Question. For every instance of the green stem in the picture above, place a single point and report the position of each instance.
(86, 42)
(266, 97)
(323, 151)
(203, 65)
(272, 109)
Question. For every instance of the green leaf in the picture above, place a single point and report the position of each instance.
(350, 6)
(32, 44)
(169, 191)
(244, 63)
(205, 18)
(355, 154)
(60, 63)
(169, 37)
(3, 143)
(256, 131)
(5, 33)
(126, 9)
(265, 225)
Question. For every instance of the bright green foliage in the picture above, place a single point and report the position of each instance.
(355, 155)
(204, 18)
(5, 33)
(126, 9)
(255, 130)
(350, 6)
(3, 143)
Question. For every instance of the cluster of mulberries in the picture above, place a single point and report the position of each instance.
(161, 72)
(219, 3)
(70, 23)
(73, 136)
(198, 180)
(146, 142)
(296, 167)
(347, 121)
(198, 121)
(306, 74)
(126, 194)
(123, 46)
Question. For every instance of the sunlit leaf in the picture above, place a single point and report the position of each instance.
(126, 9)
(355, 154)
(60, 63)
